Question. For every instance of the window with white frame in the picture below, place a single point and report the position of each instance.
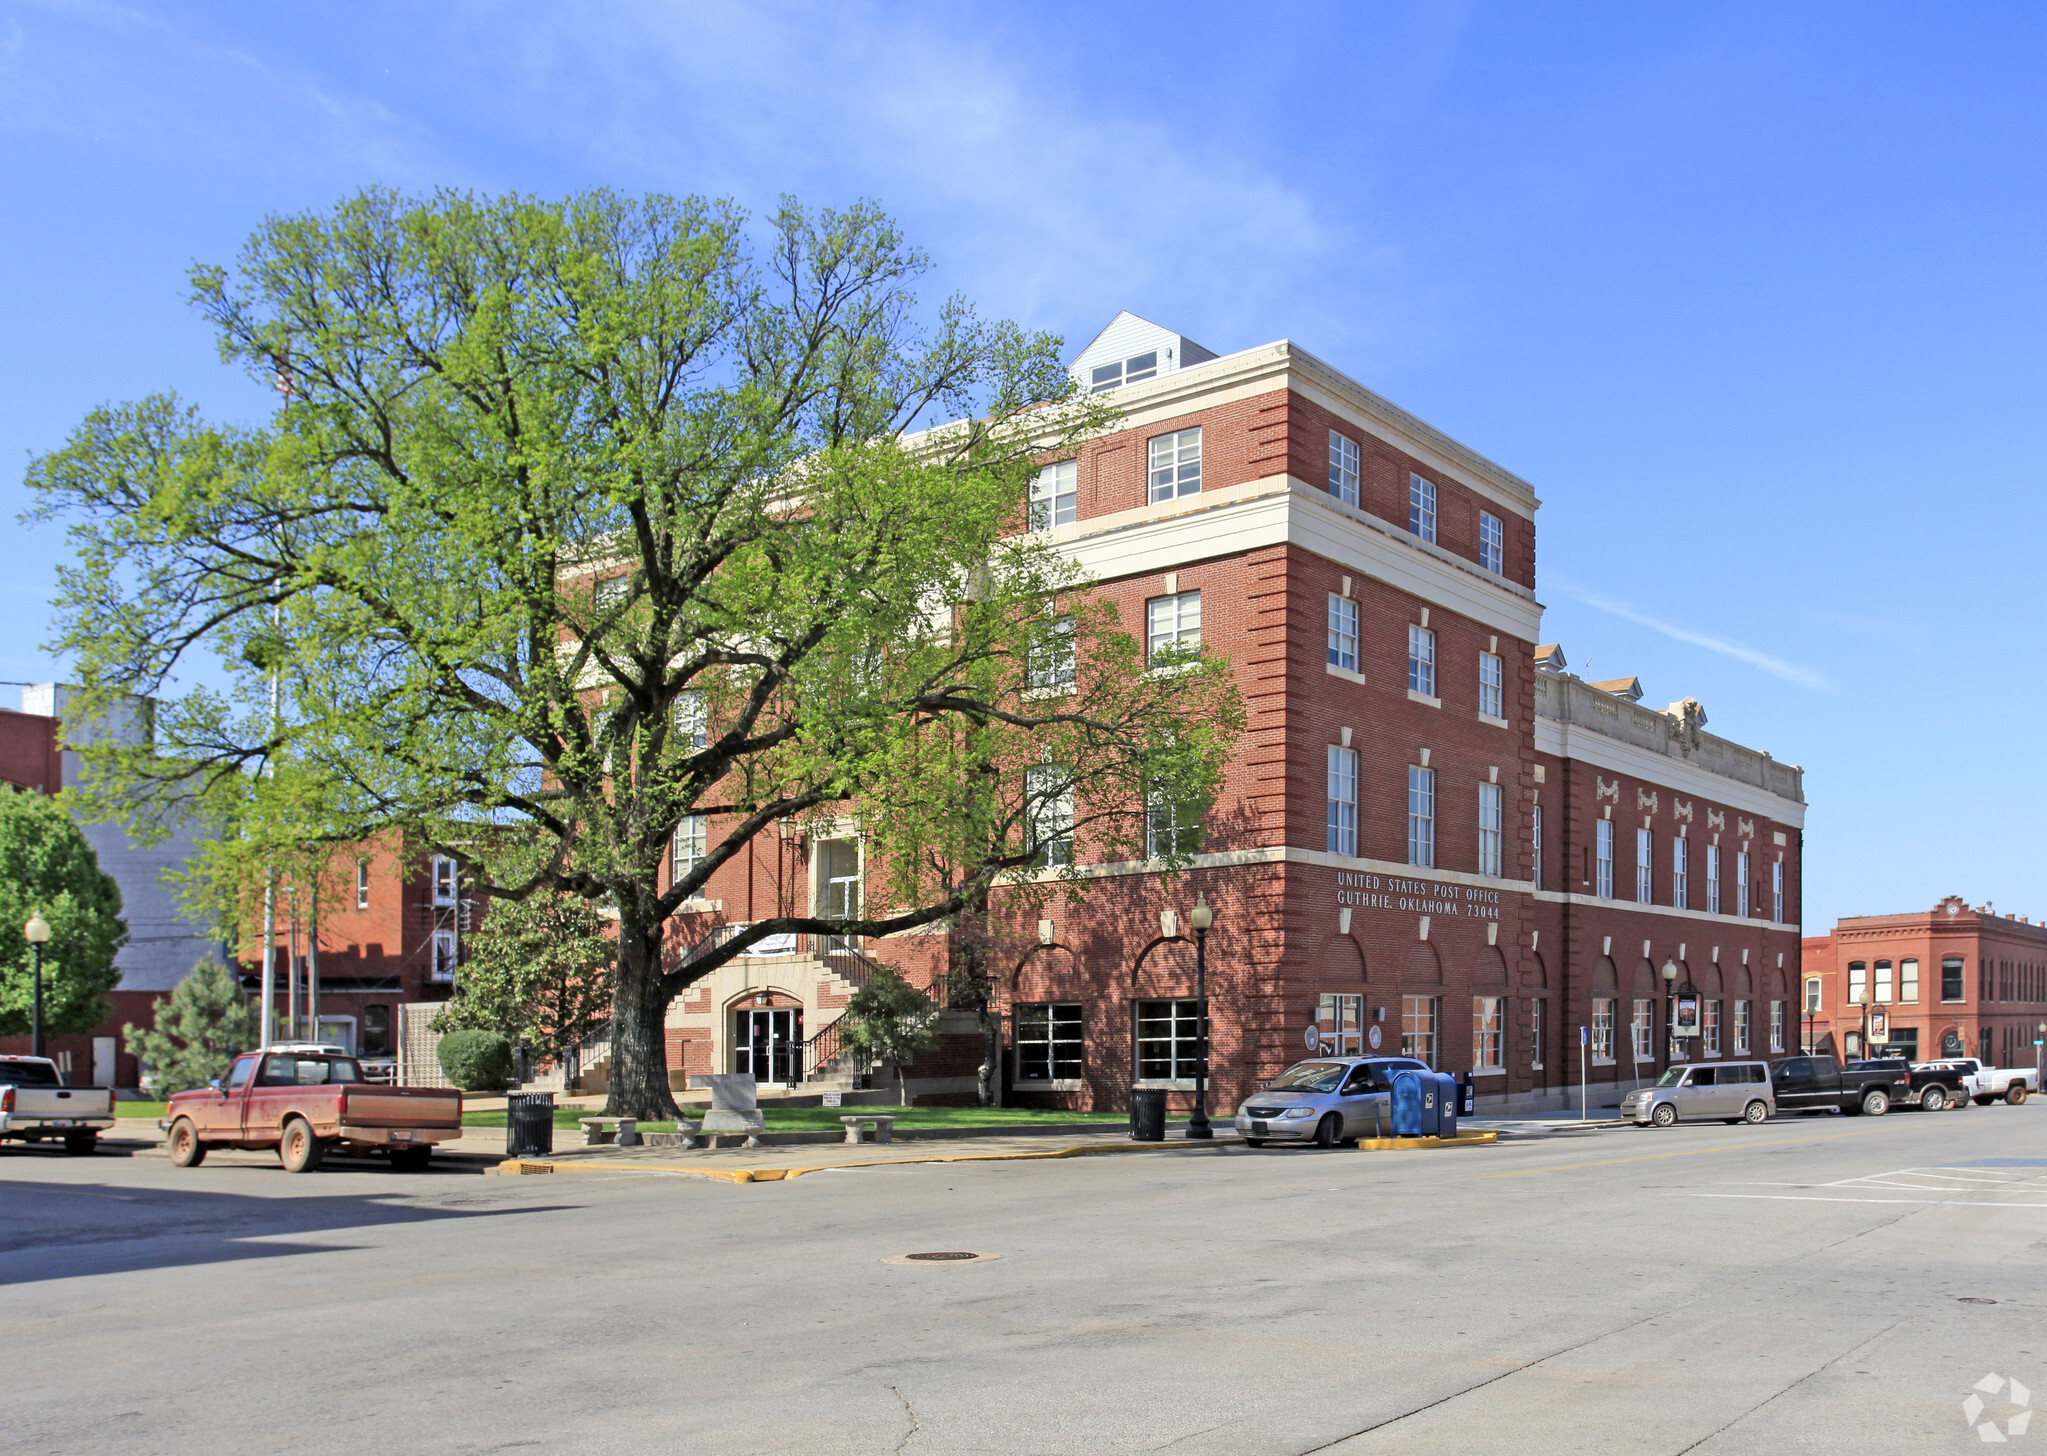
(687, 845)
(1741, 884)
(692, 719)
(1343, 800)
(1602, 1030)
(1535, 1034)
(1343, 633)
(1812, 995)
(1339, 1025)
(1535, 845)
(1052, 663)
(1492, 680)
(1883, 981)
(1858, 981)
(1645, 889)
(1048, 794)
(1602, 883)
(1172, 627)
(1419, 1016)
(1777, 892)
(1681, 873)
(1421, 816)
(445, 947)
(362, 884)
(1049, 1043)
(446, 879)
(1124, 371)
(1489, 816)
(1712, 1028)
(610, 591)
(1908, 981)
(1712, 879)
(1175, 464)
(1343, 468)
(1776, 1026)
(1169, 1039)
(1642, 1030)
(1492, 543)
(1488, 1033)
(1741, 1028)
(1172, 826)
(1421, 661)
(1055, 495)
(1421, 507)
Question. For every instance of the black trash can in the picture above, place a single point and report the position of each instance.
(1148, 1115)
(529, 1124)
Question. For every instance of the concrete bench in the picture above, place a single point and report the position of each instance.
(882, 1125)
(603, 1131)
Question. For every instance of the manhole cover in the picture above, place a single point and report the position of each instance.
(949, 1256)
(1970, 1299)
(939, 1258)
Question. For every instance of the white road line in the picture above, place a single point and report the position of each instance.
(1808, 1198)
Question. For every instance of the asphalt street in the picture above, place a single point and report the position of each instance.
(1814, 1285)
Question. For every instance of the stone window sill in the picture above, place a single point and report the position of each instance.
(1345, 673)
(1051, 1084)
(1496, 722)
(1164, 1084)
(1415, 697)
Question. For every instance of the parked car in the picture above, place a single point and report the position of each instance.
(1985, 1085)
(1821, 1084)
(1325, 1100)
(35, 1105)
(306, 1103)
(1929, 1087)
(1709, 1091)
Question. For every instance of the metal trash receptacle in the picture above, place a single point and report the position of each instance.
(1467, 1096)
(529, 1124)
(1414, 1103)
(1447, 1098)
(1148, 1115)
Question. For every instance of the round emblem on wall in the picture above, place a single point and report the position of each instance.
(1312, 1037)
(1372, 1036)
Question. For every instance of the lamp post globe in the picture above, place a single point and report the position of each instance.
(36, 932)
(1201, 918)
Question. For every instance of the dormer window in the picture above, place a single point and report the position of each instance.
(1129, 371)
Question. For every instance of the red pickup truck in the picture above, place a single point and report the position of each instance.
(306, 1104)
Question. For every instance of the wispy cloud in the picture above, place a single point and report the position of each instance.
(1775, 666)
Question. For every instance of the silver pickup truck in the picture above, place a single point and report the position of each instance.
(36, 1105)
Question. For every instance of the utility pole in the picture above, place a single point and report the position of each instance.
(313, 961)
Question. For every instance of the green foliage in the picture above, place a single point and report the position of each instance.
(889, 1020)
(576, 515)
(476, 1061)
(199, 1028)
(536, 972)
(47, 865)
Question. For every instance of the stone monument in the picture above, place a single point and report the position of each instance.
(735, 1104)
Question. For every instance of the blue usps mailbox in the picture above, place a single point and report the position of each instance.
(1415, 1101)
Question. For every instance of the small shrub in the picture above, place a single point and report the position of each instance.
(477, 1061)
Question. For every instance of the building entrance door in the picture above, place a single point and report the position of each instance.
(768, 1042)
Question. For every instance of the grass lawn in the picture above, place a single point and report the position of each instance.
(826, 1119)
(150, 1110)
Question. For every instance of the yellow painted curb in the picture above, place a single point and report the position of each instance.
(513, 1167)
(1400, 1144)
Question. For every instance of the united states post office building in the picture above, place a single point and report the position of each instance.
(1435, 838)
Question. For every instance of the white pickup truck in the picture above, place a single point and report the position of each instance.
(1986, 1085)
(35, 1105)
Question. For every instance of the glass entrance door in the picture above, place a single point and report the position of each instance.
(768, 1042)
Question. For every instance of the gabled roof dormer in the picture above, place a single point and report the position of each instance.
(1131, 350)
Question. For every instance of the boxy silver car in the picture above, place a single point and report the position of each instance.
(1325, 1100)
(1713, 1092)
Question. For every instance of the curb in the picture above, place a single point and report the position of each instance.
(518, 1167)
(1415, 1144)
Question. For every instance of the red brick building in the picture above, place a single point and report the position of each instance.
(1434, 836)
(1956, 980)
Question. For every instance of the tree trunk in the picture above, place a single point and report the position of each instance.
(991, 1060)
(902, 1087)
(639, 1040)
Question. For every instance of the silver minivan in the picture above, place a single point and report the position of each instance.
(1713, 1092)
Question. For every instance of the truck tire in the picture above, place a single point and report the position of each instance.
(411, 1160)
(298, 1149)
(1876, 1102)
(1985, 1100)
(81, 1144)
(1665, 1115)
(1756, 1113)
(2015, 1094)
(1933, 1099)
(186, 1149)
(1254, 1142)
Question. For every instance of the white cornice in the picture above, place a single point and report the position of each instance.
(1287, 854)
(1570, 740)
(1668, 912)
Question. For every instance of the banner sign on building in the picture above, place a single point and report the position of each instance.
(1685, 1019)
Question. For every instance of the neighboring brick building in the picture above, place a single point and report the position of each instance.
(1956, 980)
(1433, 835)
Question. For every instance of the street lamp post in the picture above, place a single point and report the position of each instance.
(37, 931)
(1863, 1002)
(1201, 917)
(1669, 1010)
(2040, 1054)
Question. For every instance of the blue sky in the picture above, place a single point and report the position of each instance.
(1752, 293)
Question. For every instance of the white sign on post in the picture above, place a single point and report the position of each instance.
(834, 1099)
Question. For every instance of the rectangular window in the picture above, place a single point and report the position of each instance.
(1812, 995)
(1492, 694)
(687, 845)
(362, 884)
(1776, 1026)
(1489, 855)
(692, 719)
(1712, 879)
(1168, 1039)
(1712, 1028)
(1175, 465)
(1602, 1030)
(1642, 1030)
(1052, 664)
(1340, 1025)
(1343, 468)
(1343, 633)
(1858, 981)
(1421, 661)
(1124, 371)
(1603, 860)
(1172, 627)
(1049, 1046)
(1421, 816)
(1055, 495)
(1777, 892)
(1492, 543)
(1343, 800)
(1680, 873)
(1172, 827)
(1741, 1020)
(1488, 1030)
(1645, 892)
(1951, 979)
(1741, 884)
(1535, 1034)
(444, 957)
(1048, 794)
(445, 879)
(1883, 981)
(1908, 982)
(1421, 507)
(1535, 846)
(1418, 1018)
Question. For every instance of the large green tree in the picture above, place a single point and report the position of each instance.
(46, 864)
(581, 515)
(536, 972)
(195, 1031)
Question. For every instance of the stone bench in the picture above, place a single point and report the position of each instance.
(882, 1125)
(604, 1131)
